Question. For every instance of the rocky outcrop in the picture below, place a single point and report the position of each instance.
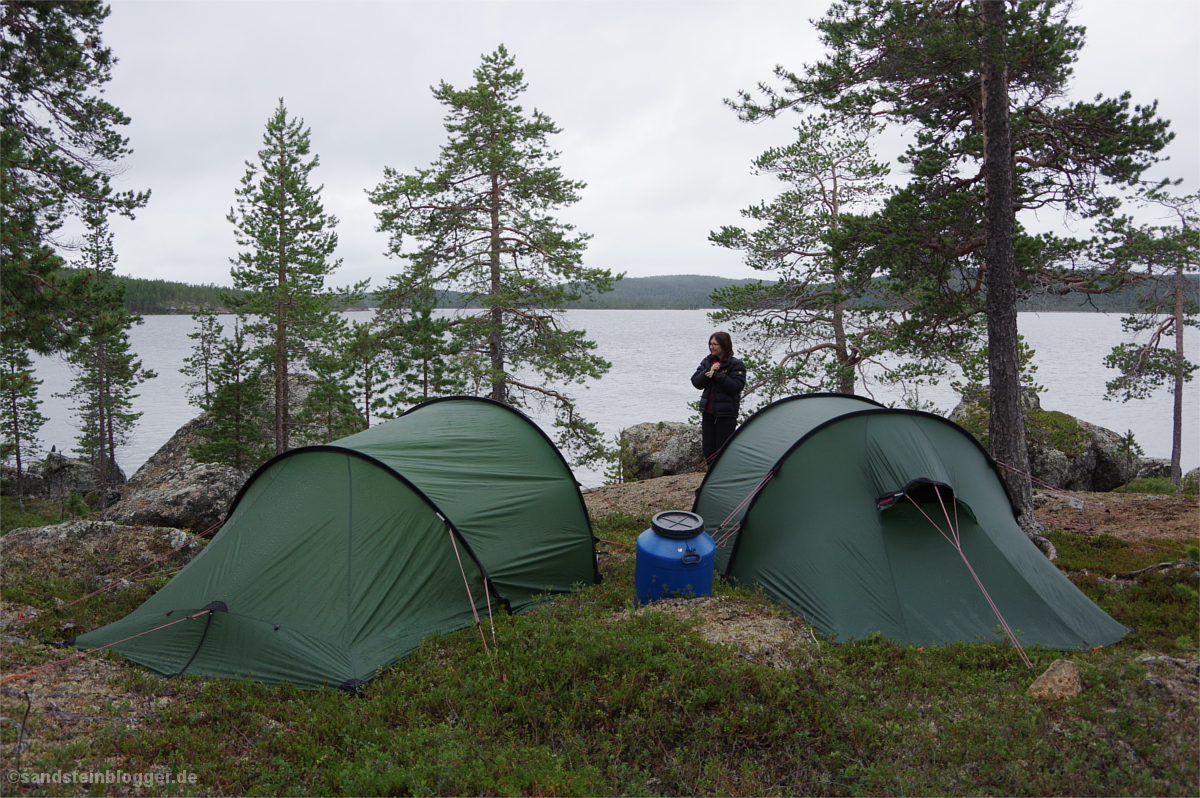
(1152, 467)
(92, 550)
(29, 484)
(1100, 466)
(662, 449)
(58, 477)
(1063, 451)
(173, 490)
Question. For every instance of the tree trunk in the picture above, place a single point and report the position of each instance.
(16, 426)
(104, 437)
(282, 387)
(846, 377)
(282, 397)
(1006, 425)
(1177, 420)
(495, 344)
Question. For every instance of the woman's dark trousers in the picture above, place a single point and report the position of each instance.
(714, 432)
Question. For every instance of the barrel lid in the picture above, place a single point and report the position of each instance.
(677, 524)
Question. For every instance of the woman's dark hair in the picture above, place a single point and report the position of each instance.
(723, 341)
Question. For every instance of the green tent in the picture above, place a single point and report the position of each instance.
(867, 519)
(336, 560)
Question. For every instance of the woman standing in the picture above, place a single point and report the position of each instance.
(722, 377)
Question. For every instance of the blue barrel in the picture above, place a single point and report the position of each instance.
(674, 556)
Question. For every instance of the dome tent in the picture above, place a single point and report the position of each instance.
(867, 519)
(335, 560)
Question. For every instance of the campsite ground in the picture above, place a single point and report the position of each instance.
(716, 695)
(1129, 516)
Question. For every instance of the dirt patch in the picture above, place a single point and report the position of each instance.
(641, 500)
(1133, 517)
(758, 634)
(1129, 516)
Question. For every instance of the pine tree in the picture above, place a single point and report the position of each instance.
(106, 371)
(814, 327)
(288, 242)
(59, 149)
(423, 352)
(200, 364)
(20, 419)
(980, 87)
(235, 438)
(367, 357)
(1164, 254)
(329, 412)
(480, 219)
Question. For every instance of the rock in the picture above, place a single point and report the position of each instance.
(662, 449)
(1100, 466)
(93, 551)
(193, 496)
(1091, 458)
(173, 490)
(300, 388)
(31, 484)
(1061, 680)
(1191, 481)
(62, 476)
(1151, 467)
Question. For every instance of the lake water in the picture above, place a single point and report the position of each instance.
(653, 354)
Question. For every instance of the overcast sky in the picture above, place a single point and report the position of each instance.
(637, 88)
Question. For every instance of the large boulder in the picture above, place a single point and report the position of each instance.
(1152, 467)
(662, 449)
(29, 484)
(1099, 465)
(300, 388)
(173, 490)
(1063, 451)
(58, 477)
(94, 551)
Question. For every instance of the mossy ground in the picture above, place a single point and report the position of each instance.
(585, 697)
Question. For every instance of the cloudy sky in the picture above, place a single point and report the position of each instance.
(636, 86)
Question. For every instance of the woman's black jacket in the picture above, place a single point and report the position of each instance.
(725, 386)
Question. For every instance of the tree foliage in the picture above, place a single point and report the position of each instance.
(421, 350)
(287, 242)
(958, 75)
(1159, 251)
(60, 147)
(817, 325)
(235, 436)
(479, 221)
(200, 364)
(369, 366)
(20, 419)
(106, 370)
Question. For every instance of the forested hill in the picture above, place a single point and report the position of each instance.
(160, 297)
(671, 292)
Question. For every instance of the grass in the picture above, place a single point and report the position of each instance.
(17, 512)
(582, 698)
(1155, 485)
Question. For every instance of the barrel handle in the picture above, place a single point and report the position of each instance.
(691, 557)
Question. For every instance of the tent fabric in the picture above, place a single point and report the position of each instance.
(817, 536)
(336, 560)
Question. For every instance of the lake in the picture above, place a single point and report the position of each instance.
(653, 354)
